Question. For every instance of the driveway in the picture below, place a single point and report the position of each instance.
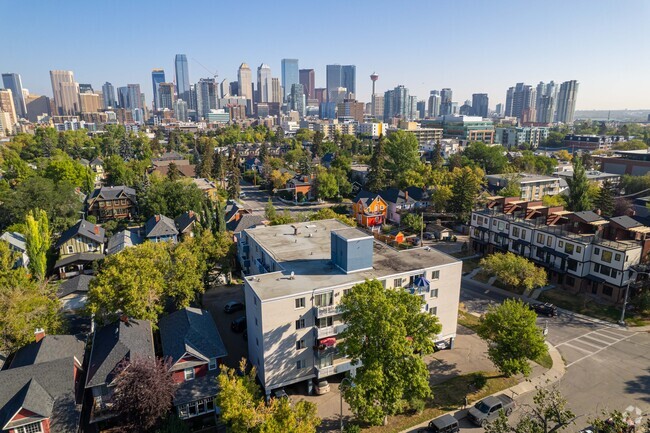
(214, 301)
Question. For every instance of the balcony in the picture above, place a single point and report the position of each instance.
(329, 310)
(329, 331)
(340, 365)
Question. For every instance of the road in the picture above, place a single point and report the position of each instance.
(257, 199)
(608, 367)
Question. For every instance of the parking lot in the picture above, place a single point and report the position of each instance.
(214, 301)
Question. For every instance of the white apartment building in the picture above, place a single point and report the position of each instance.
(295, 275)
(533, 186)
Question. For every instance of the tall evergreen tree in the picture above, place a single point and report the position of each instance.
(173, 172)
(264, 152)
(207, 158)
(436, 159)
(234, 176)
(317, 144)
(377, 173)
(221, 220)
(605, 199)
(218, 168)
(38, 243)
(465, 187)
(578, 198)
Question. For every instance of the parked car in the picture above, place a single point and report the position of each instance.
(239, 324)
(429, 236)
(488, 409)
(444, 424)
(280, 393)
(442, 345)
(544, 309)
(233, 306)
(322, 387)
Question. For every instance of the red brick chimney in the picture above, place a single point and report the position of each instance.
(406, 195)
(96, 229)
(157, 218)
(39, 334)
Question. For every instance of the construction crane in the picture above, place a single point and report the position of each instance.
(213, 74)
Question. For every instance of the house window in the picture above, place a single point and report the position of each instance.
(346, 291)
(70, 249)
(523, 233)
(435, 275)
(515, 231)
(324, 299)
(300, 303)
(433, 293)
(568, 248)
(213, 364)
(189, 373)
(607, 256)
(300, 323)
(30, 428)
(560, 244)
(300, 344)
(540, 238)
(578, 249)
(433, 311)
(572, 265)
(397, 282)
(548, 241)
(617, 257)
(596, 251)
(300, 364)
(607, 291)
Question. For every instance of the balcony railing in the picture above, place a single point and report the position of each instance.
(340, 366)
(328, 331)
(329, 310)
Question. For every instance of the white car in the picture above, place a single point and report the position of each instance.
(322, 387)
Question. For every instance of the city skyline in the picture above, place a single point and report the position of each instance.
(535, 58)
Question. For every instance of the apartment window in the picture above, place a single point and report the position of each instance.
(300, 364)
(572, 265)
(617, 257)
(397, 282)
(300, 303)
(596, 251)
(523, 233)
(29, 428)
(435, 275)
(474, 217)
(300, 323)
(568, 248)
(548, 241)
(324, 299)
(300, 344)
(578, 249)
(324, 322)
(515, 231)
(189, 373)
(607, 291)
(607, 256)
(433, 293)
(560, 244)
(494, 223)
(540, 238)
(433, 311)
(212, 365)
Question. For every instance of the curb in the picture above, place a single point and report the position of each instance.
(549, 377)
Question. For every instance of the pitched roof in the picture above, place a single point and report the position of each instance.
(187, 170)
(417, 193)
(245, 222)
(190, 330)
(232, 208)
(50, 348)
(366, 197)
(625, 221)
(588, 216)
(83, 228)
(160, 225)
(123, 239)
(115, 342)
(113, 192)
(200, 387)
(79, 257)
(16, 240)
(168, 156)
(185, 221)
(79, 283)
(97, 161)
(46, 388)
(395, 195)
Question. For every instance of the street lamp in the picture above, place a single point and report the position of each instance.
(627, 291)
(351, 384)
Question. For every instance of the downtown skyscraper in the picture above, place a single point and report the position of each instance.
(546, 100)
(182, 77)
(308, 81)
(264, 84)
(245, 80)
(434, 104)
(480, 102)
(566, 101)
(290, 75)
(157, 77)
(206, 96)
(108, 93)
(338, 76)
(66, 93)
(13, 82)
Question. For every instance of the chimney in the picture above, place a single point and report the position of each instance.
(157, 218)
(96, 229)
(406, 195)
(39, 334)
(598, 212)
(191, 214)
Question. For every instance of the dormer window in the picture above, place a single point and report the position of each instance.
(189, 373)
(213, 364)
(30, 428)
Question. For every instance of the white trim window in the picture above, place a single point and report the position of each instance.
(189, 373)
(196, 408)
(34, 427)
(212, 365)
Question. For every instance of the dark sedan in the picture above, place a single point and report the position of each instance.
(233, 306)
(239, 324)
(544, 309)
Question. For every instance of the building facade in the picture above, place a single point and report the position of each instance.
(66, 93)
(308, 80)
(13, 82)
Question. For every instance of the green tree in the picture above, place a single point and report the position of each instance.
(244, 409)
(512, 189)
(490, 158)
(613, 422)
(605, 199)
(234, 177)
(64, 169)
(173, 172)
(514, 271)
(554, 139)
(578, 198)
(403, 153)
(630, 145)
(413, 222)
(563, 155)
(185, 276)
(513, 337)
(39, 241)
(388, 332)
(206, 148)
(221, 218)
(316, 148)
(327, 213)
(377, 172)
(440, 197)
(326, 185)
(437, 161)
(170, 198)
(465, 186)
(269, 211)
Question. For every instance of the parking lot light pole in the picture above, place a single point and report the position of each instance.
(351, 384)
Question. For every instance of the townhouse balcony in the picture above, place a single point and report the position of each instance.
(329, 331)
(326, 311)
(340, 365)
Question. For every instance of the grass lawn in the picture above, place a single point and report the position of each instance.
(468, 320)
(583, 305)
(545, 360)
(469, 265)
(482, 277)
(447, 396)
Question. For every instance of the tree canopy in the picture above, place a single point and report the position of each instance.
(388, 333)
(578, 198)
(170, 198)
(514, 271)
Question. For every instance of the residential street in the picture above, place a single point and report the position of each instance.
(608, 367)
(257, 199)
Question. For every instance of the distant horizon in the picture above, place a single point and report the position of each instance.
(423, 45)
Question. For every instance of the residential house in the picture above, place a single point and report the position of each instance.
(169, 158)
(112, 202)
(185, 170)
(124, 239)
(83, 237)
(112, 346)
(398, 202)
(420, 195)
(73, 293)
(253, 163)
(369, 210)
(302, 186)
(186, 224)
(439, 231)
(160, 228)
(18, 244)
(191, 342)
(234, 211)
(40, 391)
(294, 278)
(208, 187)
(97, 166)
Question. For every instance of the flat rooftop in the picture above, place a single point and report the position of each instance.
(307, 255)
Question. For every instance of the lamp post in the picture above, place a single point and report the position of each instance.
(351, 384)
(627, 292)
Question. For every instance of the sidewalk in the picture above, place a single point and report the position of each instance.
(549, 377)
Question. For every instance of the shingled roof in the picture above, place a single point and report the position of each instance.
(80, 283)
(190, 330)
(114, 343)
(113, 192)
(366, 197)
(160, 225)
(246, 221)
(50, 348)
(84, 229)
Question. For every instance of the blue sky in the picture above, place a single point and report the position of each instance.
(470, 46)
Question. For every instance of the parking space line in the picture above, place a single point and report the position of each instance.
(578, 348)
(608, 332)
(575, 338)
(600, 350)
(588, 343)
(609, 337)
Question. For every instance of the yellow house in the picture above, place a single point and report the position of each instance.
(369, 209)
